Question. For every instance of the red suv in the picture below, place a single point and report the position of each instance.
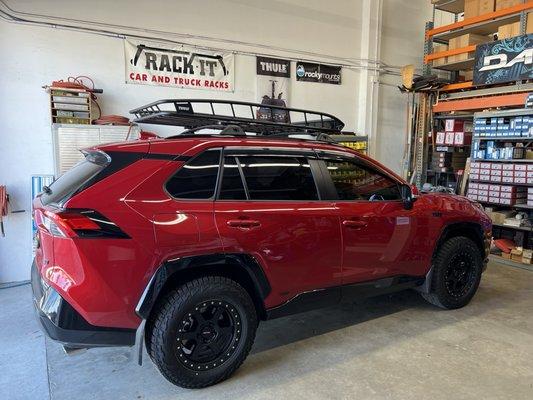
(185, 243)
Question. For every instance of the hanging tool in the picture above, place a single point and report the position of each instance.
(3, 208)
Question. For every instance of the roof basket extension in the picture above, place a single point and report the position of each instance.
(261, 119)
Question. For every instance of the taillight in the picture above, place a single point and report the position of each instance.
(80, 223)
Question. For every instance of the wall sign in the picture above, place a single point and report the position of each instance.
(504, 61)
(311, 72)
(149, 63)
(273, 67)
(273, 81)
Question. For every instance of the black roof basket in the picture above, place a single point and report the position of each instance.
(262, 119)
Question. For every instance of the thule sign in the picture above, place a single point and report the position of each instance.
(504, 61)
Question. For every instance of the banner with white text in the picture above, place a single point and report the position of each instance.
(150, 63)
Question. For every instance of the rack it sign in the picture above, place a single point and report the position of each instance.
(506, 60)
(149, 63)
(311, 72)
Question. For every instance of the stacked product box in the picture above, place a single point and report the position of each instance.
(504, 127)
(456, 133)
(497, 194)
(446, 161)
(492, 152)
(507, 173)
(530, 197)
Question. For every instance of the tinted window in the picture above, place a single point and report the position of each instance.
(232, 187)
(71, 181)
(278, 178)
(355, 181)
(197, 179)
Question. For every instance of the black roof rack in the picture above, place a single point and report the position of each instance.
(262, 119)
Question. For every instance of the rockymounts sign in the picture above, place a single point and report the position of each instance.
(149, 63)
(321, 73)
(504, 61)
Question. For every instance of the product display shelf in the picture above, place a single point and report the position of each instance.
(352, 141)
(500, 132)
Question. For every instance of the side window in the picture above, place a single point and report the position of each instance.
(356, 181)
(278, 178)
(197, 179)
(231, 187)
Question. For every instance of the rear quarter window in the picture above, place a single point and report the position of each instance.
(197, 179)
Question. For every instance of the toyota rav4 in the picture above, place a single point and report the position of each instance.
(181, 245)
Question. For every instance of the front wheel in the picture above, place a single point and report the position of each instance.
(457, 272)
(203, 331)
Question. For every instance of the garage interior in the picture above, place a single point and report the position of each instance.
(412, 93)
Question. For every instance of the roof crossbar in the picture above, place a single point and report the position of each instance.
(263, 119)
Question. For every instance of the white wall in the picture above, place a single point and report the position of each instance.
(34, 56)
(402, 43)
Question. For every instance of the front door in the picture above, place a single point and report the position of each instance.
(379, 236)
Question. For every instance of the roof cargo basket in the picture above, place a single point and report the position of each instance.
(261, 119)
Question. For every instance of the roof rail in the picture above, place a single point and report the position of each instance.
(262, 119)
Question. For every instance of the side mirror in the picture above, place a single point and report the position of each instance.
(407, 196)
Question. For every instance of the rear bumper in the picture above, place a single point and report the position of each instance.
(61, 322)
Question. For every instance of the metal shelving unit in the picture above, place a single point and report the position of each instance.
(521, 235)
(481, 25)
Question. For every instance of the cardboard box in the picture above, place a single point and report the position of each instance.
(516, 254)
(499, 216)
(501, 4)
(450, 138)
(486, 6)
(453, 125)
(438, 48)
(463, 41)
(468, 75)
(509, 31)
(471, 8)
(462, 138)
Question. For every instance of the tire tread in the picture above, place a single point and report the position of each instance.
(169, 307)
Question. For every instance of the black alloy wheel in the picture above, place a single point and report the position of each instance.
(456, 273)
(460, 274)
(202, 331)
(208, 335)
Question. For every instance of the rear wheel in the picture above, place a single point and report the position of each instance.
(203, 331)
(456, 273)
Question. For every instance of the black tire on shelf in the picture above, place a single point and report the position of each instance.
(457, 270)
(202, 331)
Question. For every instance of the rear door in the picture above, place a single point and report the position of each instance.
(380, 238)
(268, 205)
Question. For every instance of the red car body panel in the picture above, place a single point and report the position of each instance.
(301, 246)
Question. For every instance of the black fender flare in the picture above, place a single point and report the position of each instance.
(244, 263)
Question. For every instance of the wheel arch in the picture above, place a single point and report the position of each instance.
(471, 230)
(242, 268)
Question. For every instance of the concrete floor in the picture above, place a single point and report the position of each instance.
(390, 347)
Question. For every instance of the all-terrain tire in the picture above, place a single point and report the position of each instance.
(453, 284)
(188, 314)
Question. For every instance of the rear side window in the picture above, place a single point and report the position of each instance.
(278, 178)
(356, 181)
(73, 179)
(197, 179)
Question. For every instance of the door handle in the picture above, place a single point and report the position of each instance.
(355, 224)
(243, 223)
